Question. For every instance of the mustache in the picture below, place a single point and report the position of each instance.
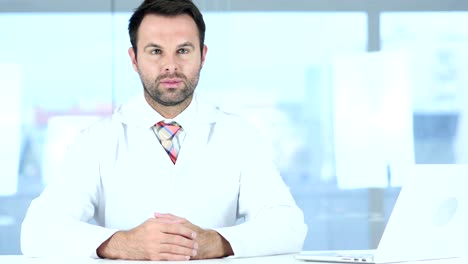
(171, 75)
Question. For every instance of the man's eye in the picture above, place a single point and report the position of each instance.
(156, 51)
(183, 51)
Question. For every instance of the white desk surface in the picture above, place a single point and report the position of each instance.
(280, 259)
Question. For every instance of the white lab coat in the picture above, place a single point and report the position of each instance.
(118, 173)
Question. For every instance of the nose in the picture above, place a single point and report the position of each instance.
(170, 65)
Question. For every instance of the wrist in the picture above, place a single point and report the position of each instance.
(111, 248)
(225, 248)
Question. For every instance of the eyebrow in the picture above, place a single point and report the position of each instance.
(185, 44)
(152, 45)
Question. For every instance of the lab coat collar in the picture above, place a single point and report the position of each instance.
(138, 113)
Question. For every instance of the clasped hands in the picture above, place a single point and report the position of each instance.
(165, 237)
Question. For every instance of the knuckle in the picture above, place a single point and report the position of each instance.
(178, 240)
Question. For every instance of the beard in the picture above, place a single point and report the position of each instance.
(170, 97)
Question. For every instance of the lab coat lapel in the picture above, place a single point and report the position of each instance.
(193, 152)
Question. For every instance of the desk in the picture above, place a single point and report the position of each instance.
(280, 259)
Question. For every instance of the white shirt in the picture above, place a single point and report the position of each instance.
(118, 173)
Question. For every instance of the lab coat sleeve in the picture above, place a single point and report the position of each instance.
(56, 223)
(274, 224)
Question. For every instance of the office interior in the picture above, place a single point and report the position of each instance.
(349, 92)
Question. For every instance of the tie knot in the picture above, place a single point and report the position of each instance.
(166, 131)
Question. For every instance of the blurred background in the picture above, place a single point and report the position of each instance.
(348, 91)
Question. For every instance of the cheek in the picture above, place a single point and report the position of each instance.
(194, 68)
(149, 67)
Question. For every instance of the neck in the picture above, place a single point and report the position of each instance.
(168, 112)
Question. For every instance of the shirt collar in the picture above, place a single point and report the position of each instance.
(137, 112)
(184, 119)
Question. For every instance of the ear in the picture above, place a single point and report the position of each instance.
(133, 58)
(203, 56)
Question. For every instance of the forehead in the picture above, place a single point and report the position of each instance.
(168, 29)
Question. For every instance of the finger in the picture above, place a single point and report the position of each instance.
(177, 250)
(193, 227)
(167, 221)
(178, 240)
(171, 257)
(162, 215)
(168, 216)
(179, 230)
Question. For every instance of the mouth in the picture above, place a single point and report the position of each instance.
(171, 83)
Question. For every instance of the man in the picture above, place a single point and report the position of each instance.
(167, 177)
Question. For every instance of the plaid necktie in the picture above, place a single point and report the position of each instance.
(166, 133)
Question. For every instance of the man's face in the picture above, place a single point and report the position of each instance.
(168, 58)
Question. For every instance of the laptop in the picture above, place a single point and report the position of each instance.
(429, 221)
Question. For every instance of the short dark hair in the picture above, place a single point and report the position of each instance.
(165, 8)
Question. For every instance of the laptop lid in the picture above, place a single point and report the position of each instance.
(430, 218)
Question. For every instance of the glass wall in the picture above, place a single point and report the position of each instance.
(343, 121)
(435, 44)
(56, 78)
